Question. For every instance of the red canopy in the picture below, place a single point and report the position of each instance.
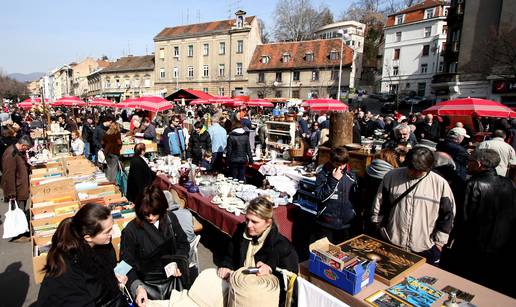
(222, 100)
(199, 101)
(324, 105)
(72, 101)
(260, 103)
(154, 103)
(34, 100)
(101, 102)
(471, 107)
(128, 103)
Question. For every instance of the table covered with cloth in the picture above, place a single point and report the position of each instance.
(227, 222)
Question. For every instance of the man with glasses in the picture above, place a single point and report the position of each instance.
(175, 138)
(15, 177)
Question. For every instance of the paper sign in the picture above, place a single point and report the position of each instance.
(170, 269)
(122, 268)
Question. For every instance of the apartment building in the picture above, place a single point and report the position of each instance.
(305, 69)
(212, 57)
(352, 32)
(80, 72)
(128, 77)
(468, 69)
(414, 42)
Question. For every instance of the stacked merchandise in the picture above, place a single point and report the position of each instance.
(346, 270)
(56, 197)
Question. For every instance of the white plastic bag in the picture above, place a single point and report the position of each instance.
(101, 157)
(15, 222)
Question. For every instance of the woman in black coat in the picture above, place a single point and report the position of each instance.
(80, 263)
(269, 249)
(199, 141)
(140, 175)
(150, 240)
(238, 151)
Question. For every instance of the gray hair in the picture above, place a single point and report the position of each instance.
(26, 140)
(400, 127)
(443, 159)
(487, 157)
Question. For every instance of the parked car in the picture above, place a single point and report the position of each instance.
(388, 107)
(413, 101)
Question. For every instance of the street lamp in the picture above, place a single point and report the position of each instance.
(343, 37)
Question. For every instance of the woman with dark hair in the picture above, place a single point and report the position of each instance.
(238, 150)
(80, 263)
(149, 243)
(314, 135)
(200, 142)
(112, 144)
(140, 175)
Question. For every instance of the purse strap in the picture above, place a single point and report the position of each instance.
(404, 194)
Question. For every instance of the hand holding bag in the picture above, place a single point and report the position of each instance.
(15, 221)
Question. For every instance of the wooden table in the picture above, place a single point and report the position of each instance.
(483, 296)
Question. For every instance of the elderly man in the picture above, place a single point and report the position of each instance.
(428, 129)
(452, 146)
(402, 136)
(504, 150)
(414, 207)
(485, 225)
(15, 176)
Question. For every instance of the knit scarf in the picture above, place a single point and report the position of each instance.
(255, 244)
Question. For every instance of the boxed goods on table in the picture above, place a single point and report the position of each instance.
(344, 270)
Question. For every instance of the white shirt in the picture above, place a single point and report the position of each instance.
(77, 147)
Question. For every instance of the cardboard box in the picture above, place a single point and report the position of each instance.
(350, 280)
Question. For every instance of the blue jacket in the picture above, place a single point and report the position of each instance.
(219, 138)
(176, 141)
(458, 153)
(336, 198)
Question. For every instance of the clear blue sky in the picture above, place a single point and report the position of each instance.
(39, 35)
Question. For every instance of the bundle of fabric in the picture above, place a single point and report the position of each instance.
(208, 290)
(249, 290)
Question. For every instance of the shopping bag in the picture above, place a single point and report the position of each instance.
(15, 221)
(121, 179)
(101, 157)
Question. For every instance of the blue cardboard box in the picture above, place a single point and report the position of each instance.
(350, 280)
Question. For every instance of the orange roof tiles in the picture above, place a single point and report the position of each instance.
(416, 12)
(198, 29)
(298, 50)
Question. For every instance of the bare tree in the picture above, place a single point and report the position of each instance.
(499, 54)
(264, 33)
(297, 20)
(12, 89)
(265, 89)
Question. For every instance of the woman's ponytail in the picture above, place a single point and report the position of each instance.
(64, 240)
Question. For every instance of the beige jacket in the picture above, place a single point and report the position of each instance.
(421, 219)
(506, 152)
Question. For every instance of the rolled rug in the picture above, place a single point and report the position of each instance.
(249, 290)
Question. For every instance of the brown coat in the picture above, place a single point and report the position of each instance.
(15, 174)
(112, 143)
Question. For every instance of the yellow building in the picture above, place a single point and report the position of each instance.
(81, 71)
(212, 57)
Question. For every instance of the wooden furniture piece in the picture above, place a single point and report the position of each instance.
(285, 131)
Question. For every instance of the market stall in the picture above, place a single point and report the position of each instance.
(58, 190)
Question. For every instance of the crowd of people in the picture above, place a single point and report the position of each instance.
(430, 189)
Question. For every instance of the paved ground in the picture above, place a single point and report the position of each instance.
(17, 286)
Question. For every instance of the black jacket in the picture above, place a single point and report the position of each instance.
(238, 149)
(458, 153)
(98, 136)
(336, 198)
(87, 133)
(140, 176)
(429, 132)
(485, 232)
(276, 251)
(143, 247)
(89, 280)
(198, 143)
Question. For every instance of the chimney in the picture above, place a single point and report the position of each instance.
(240, 19)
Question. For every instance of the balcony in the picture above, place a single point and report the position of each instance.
(445, 78)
